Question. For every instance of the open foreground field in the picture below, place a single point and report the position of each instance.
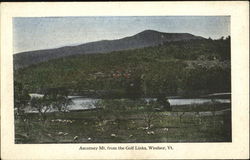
(209, 122)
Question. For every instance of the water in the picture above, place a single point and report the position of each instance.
(80, 103)
(88, 103)
(83, 103)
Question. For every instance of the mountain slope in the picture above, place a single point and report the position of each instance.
(143, 39)
(185, 68)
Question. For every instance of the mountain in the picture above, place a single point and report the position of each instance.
(143, 39)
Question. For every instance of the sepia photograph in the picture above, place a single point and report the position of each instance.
(122, 79)
(125, 80)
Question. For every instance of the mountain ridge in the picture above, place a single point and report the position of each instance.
(146, 38)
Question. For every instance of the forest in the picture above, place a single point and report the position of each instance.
(183, 68)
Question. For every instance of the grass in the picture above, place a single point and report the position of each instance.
(127, 127)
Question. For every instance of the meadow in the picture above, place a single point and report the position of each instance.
(121, 122)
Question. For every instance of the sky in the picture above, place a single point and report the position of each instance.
(35, 33)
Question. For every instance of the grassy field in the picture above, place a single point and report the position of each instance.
(190, 123)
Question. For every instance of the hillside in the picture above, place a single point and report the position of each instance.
(186, 68)
(146, 38)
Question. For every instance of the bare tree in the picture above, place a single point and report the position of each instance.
(61, 103)
(213, 110)
(42, 105)
(149, 113)
(181, 114)
(59, 99)
(196, 110)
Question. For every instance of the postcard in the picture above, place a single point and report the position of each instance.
(125, 80)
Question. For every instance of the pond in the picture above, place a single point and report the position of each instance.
(80, 103)
(88, 103)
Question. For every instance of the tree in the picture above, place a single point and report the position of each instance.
(42, 105)
(197, 111)
(64, 102)
(221, 38)
(181, 114)
(99, 111)
(164, 103)
(213, 110)
(61, 102)
(116, 109)
(21, 98)
(134, 88)
(149, 113)
(58, 98)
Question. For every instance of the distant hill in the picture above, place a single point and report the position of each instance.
(143, 39)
